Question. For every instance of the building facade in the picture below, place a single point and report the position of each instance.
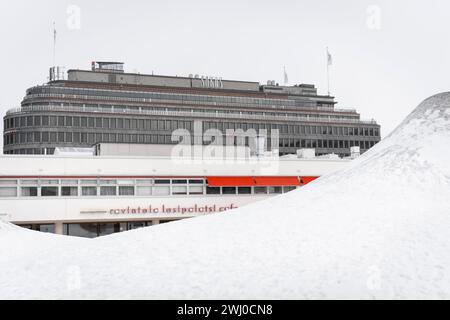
(107, 105)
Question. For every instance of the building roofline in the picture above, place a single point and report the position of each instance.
(159, 76)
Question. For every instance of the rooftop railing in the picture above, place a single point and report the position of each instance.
(192, 113)
(244, 102)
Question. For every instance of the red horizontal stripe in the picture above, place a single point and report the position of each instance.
(230, 181)
(101, 177)
(306, 180)
(277, 181)
(252, 181)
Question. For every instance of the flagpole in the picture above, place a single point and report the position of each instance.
(54, 43)
(328, 72)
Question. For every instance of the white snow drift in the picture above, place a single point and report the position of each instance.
(380, 229)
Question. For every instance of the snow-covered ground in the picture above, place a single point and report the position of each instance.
(379, 229)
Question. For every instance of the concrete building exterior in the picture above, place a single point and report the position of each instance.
(107, 105)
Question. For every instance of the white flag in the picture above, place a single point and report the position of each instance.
(329, 58)
(286, 80)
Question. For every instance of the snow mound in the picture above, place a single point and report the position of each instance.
(6, 226)
(378, 229)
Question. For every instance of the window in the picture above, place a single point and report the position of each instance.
(212, 190)
(162, 181)
(179, 181)
(144, 190)
(176, 190)
(144, 182)
(195, 189)
(49, 191)
(108, 190)
(260, 190)
(228, 190)
(196, 181)
(89, 181)
(288, 188)
(29, 182)
(8, 192)
(126, 191)
(273, 190)
(28, 192)
(244, 190)
(161, 191)
(89, 191)
(8, 182)
(69, 191)
(49, 181)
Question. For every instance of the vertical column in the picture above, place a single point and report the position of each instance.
(155, 222)
(58, 228)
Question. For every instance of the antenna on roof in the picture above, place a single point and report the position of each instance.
(54, 43)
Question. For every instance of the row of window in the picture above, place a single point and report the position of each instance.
(106, 187)
(92, 230)
(170, 125)
(92, 138)
(175, 97)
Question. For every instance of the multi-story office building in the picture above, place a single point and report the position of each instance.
(107, 105)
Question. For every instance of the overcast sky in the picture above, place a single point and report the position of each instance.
(387, 55)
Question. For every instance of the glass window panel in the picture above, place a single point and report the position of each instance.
(144, 182)
(196, 190)
(49, 181)
(8, 182)
(275, 190)
(8, 192)
(144, 191)
(85, 230)
(212, 190)
(162, 181)
(179, 190)
(29, 182)
(108, 181)
(28, 191)
(89, 191)
(69, 191)
(122, 182)
(196, 181)
(244, 190)
(179, 181)
(289, 188)
(260, 190)
(161, 191)
(69, 181)
(90, 181)
(108, 191)
(126, 191)
(49, 191)
(228, 190)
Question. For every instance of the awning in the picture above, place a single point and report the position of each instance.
(277, 181)
(306, 180)
(252, 181)
(230, 181)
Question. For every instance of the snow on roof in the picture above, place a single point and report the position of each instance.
(72, 151)
(377, 229)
